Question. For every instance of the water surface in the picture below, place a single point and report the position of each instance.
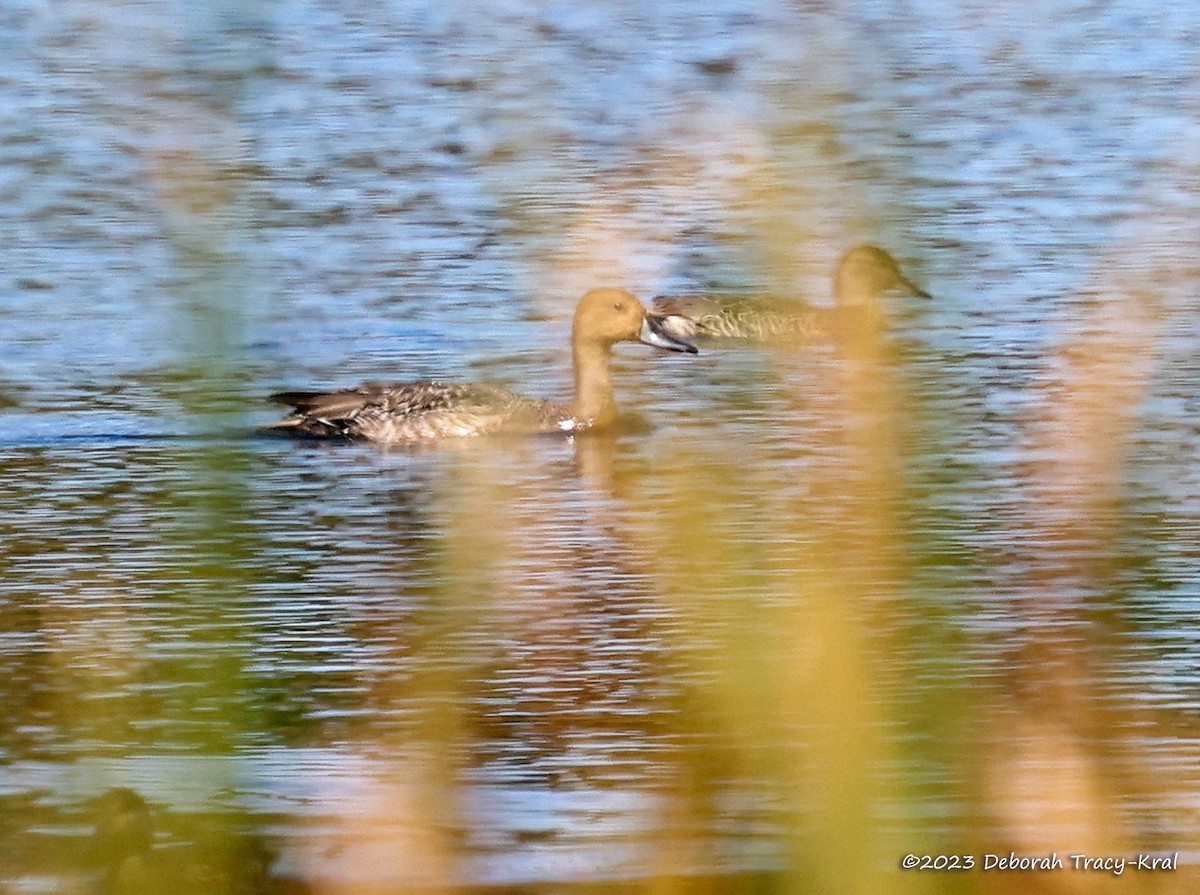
(815, 610)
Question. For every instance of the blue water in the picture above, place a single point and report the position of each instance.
(204, 203)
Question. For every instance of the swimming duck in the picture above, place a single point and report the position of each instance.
(130, 863)
(864, 274)
(123, 843)
(423, 411)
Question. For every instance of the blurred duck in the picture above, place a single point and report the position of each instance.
(863, 276)
(424, 411)
(231, 862)
(122, 843)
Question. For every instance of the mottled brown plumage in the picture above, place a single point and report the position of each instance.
(425, 411)
(418, 411)
(863, 276)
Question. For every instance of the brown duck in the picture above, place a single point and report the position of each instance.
(863, 276)
(424, 411)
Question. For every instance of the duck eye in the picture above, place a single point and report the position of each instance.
(620, 306)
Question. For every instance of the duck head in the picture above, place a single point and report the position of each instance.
(866, 273)
(607, 316)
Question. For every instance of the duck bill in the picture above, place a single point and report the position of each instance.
(913, 289)
(657, 331)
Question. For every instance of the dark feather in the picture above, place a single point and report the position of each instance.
(331, 405)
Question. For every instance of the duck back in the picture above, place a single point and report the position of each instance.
(757, 318)
(418, 411)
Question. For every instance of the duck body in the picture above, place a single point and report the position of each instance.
(760, 318)
(412, 412)
(421, 411)
(863, 276)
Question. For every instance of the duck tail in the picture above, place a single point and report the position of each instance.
(290, 422)
(295, 399)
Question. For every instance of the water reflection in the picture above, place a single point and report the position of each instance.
(930, 593)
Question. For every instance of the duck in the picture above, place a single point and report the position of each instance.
(123, 842)
(130, 862)
(864, 274)
(424, 411)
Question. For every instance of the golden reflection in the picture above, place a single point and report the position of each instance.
(594, 454)
(792, 621)
(393, 832)
(717, 652)
(1064, 758)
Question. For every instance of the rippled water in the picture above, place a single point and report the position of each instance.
(946, 594)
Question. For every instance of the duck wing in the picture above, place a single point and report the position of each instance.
(404, 411)
(734, 316)
(332, 405)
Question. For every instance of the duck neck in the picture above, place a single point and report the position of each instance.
(594, 405)
(849, 295)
